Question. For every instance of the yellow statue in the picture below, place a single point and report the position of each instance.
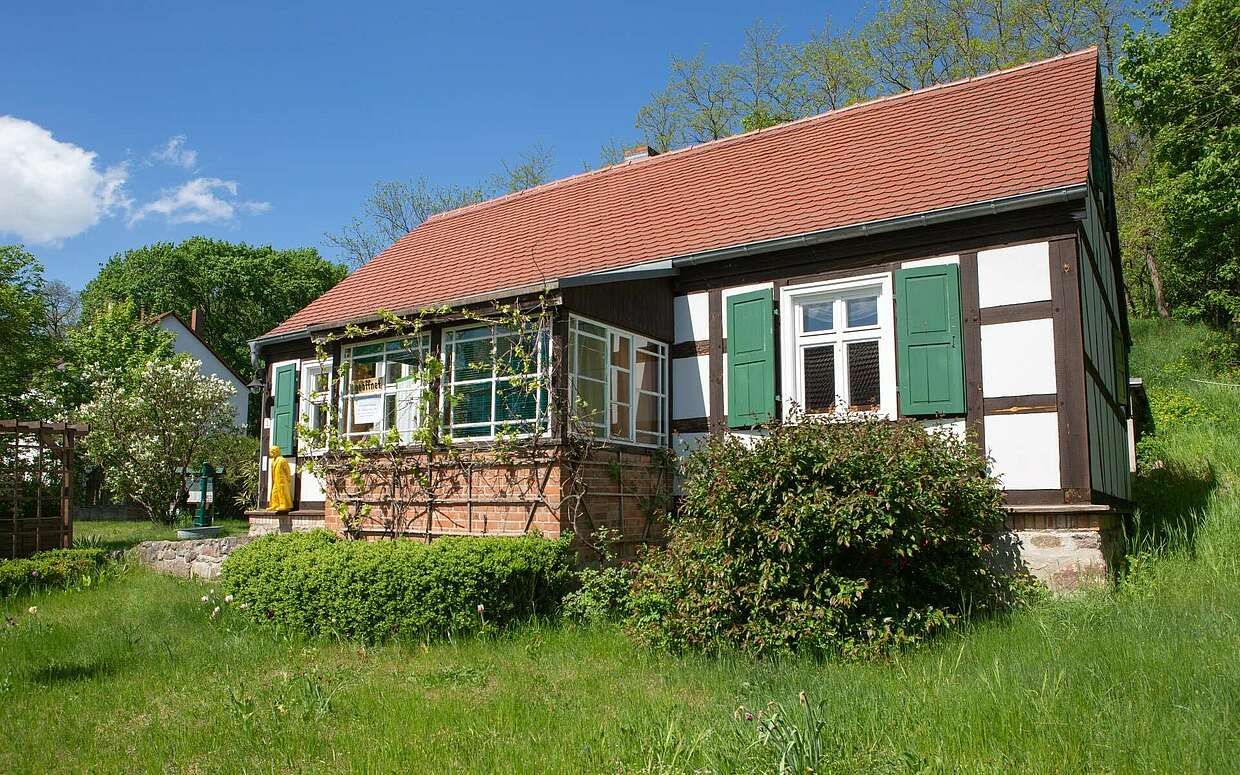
(281, 482)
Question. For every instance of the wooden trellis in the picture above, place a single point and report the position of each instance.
(36, 486)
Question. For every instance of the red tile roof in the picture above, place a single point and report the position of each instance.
(1017, 131)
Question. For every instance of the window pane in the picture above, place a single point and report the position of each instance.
(365, 375)
(471, 359)
(649, 373)
(515, 402)
(472, 403)
(863, 376)
(407, 409)
(819, 378)
(590, 328)
(591, 358)
(862, 312)
(648, 415)
(620, 384)
(360, 427)
(619, 421)
(621, 346)
(517, 355)
(402, 368)
(590, 401)
(818, 316)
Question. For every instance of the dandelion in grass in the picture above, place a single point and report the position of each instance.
(215, 612)
(205, 598)
(32, 610)
(228, 598)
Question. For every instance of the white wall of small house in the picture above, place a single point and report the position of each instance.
(691, 314)
(690, 387)
(186, 342)
(1025, 448)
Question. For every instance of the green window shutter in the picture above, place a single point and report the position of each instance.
(751, 358)
(928, 340)
(284, 412)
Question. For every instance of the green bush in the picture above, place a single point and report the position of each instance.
(602, 593)
(845, 538)
(54, 569)
(318, 584)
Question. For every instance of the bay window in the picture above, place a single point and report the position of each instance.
(382, 391)
(495, 378)
(838, 345)
(618, 383)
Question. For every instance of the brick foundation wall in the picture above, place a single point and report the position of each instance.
(618, 488)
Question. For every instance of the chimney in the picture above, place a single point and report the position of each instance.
(195, 320)
(635, 152)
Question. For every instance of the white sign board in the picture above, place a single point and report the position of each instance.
(367, 410)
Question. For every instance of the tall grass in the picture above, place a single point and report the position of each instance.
(136, 676)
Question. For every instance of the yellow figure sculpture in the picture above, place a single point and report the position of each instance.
(281, 482)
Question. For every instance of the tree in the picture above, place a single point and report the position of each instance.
(394, 208)
(64, 308)
(25, 347)
(243, 290)
(146, 431)
(908, 44)
(1182, 91)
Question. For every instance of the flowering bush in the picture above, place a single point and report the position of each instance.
(846, 538)
(49, 570)
(318, 584)
(144, 430)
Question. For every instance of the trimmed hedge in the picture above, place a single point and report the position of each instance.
(844, 538)
(53, 569)
(318, 584)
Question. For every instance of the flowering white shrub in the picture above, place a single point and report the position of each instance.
(144, 430)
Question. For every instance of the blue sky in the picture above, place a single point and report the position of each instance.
(269, 124)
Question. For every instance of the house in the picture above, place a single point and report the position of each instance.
(188, 340)
(948, 254)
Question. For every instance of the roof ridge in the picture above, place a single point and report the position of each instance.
(741, 136)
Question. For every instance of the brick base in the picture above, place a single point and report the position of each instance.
(622, 489)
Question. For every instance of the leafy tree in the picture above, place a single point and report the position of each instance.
(146, 430)
(394, 208)
(1182, 91)
(64, 308)
(244, 290)
(25, 347)
(908, 44)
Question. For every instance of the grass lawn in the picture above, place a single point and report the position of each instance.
(133, 675)
(124, 533)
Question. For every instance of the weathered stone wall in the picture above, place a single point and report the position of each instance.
(264, 522)
(199, 558)
(1068, 550)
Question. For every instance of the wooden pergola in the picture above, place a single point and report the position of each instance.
(36, 486)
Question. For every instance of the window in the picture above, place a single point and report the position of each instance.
(838, 346)
(382, 391)
(316, 382)
(618, 383)
(493, 378)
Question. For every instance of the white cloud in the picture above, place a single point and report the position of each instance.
(51, 190)
(198, 201)
(175, 153)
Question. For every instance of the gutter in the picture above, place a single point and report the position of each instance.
(670, 267)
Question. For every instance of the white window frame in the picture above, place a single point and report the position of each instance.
(637, 342)
(794, 339)
(419, 343)
(542, 418)
(307, 400)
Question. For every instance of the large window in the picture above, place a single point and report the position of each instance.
(382, 391)
(838, 346)
(495, 378)
(316, 386)
(618, 383)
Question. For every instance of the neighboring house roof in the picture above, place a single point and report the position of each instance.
(156, 320)
(1006, 134)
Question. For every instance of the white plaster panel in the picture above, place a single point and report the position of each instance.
(692, 317)
(726, 292)
(1014, 275)
(1025, 448)
(690, 387)
(955, 427)
(936, 261)
(311, 487)
(683, 444)
(1018, 359)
